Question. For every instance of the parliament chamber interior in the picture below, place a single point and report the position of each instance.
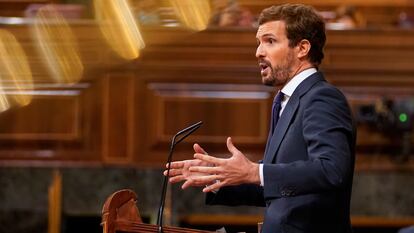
(92, 91)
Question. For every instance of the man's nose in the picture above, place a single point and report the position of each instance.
(260, 52)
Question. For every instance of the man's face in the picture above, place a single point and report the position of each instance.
(276, 59)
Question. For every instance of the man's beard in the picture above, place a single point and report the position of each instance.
(280, 75)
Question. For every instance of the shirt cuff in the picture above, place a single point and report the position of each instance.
(261, 174)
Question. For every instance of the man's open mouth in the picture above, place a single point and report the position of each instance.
(265, 68)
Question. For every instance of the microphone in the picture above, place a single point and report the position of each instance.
(181, 136)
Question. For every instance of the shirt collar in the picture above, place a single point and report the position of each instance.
(290, 87)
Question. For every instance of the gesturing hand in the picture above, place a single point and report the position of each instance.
(232, 171)
(180, 170)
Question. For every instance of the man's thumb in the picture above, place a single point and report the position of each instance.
(231, 147)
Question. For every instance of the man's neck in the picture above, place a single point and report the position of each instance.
(301, 67)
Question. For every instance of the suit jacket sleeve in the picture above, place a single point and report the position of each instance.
(245, 194)
(328, 133)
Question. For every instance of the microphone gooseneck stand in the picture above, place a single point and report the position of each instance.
(183, 133)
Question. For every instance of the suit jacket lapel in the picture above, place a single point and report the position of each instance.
(287, 116)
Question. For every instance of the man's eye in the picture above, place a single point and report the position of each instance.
(271, 41)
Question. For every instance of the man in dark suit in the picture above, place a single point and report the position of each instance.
(305, 178)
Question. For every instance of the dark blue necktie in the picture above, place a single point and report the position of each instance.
(276, 106)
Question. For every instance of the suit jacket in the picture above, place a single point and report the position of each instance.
(307, 166)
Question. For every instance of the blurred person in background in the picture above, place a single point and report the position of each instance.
(228, 13)
(347, 17)
(406, 20)
(147, 12)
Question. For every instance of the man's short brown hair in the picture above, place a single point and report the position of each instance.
(302, 22)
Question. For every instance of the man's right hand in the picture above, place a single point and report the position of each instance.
(180, 170)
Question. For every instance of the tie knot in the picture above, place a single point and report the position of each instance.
(279, 98)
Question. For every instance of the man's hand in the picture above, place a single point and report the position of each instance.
(180, 170)
(232, 171)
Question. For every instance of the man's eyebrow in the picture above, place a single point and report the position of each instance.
(266, 35)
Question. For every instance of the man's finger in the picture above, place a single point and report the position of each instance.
(207, 158)
(203, 169)
(198, 149)
(186, 184)
(176, 165)
(192, 182)
(205, 180)
(215, 186)
(173, 172)
(176, 179)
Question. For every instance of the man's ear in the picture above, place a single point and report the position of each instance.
(303, 47)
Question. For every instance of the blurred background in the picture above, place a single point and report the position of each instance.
(91, 92)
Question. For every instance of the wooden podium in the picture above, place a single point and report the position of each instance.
(120, 214)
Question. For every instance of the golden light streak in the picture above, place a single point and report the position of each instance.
(15, 73)
(58, 45)
(194, 14)
(4, 103)
(119, 27)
